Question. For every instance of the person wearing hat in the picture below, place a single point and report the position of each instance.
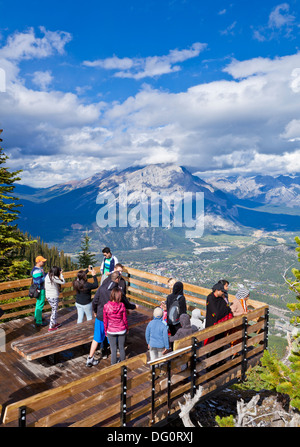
(239, 304)
(217, 310)
(38, 277)
(157, 335)
(239, 307)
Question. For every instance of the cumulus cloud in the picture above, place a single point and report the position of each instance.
(26, 45)
(39, 122)
(247, 123)
(280, 23)
(139, 68)
(42, 79)
(237, 124)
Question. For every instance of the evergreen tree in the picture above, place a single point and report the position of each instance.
(274, 374)
(295, 286)
(85, 257)
(53, 256)
(12, 241)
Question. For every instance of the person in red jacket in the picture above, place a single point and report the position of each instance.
(115, 324)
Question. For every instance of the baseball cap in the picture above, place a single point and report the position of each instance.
(158, 312)
(40, 259)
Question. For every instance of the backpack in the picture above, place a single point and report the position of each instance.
(174, 312)
(34, 291)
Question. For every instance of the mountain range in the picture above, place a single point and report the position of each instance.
(283, 190)
(61, 213)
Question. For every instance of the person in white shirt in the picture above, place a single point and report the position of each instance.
(53, 281)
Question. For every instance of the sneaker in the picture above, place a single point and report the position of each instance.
(91, 361)
(51, 329)
(41, 324)
(57, 325)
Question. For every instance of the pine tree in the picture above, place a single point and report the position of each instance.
(85, 257)
(285, 378)
(12, 241)
(295, 286)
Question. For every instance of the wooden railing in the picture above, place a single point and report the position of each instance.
(121, 394)
(132, 390)
(142, 287)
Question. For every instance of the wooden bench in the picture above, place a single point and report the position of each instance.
(50, 343)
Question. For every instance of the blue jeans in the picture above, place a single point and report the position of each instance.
(84, 309)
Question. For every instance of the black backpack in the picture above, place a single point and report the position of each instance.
(174, 312)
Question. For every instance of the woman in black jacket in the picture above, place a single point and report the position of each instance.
(83, 294)
(178, 295)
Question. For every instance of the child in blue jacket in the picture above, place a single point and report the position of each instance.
(157, 335)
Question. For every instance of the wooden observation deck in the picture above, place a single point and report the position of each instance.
(37, 391)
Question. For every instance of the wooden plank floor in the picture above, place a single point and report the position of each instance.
(65, 338)
(21, 378)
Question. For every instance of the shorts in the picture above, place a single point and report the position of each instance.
(99, 333)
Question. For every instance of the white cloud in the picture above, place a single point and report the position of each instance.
(280, 24)
(280, 16)
(236, 124)
(42, 79)
(229, 30)
(139, 68)
(249, 123)
(27, 45)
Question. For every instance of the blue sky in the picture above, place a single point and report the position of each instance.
(213, 86)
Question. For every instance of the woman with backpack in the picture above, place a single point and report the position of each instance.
(176, 306)
(53, 282)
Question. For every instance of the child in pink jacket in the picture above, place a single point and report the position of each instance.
(115, 324)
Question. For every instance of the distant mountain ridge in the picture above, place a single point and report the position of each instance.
(61, 213)
(282, 190)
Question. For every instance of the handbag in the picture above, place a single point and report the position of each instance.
(34, 291)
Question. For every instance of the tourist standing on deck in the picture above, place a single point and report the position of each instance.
(108, 263)
(38, 278)
(83, 290)
(186, 328)
(53, 282)
(115, 324)
(122, 284)
(157, 335)
(239, 303)
(217, 309)
(176, 298)
(100, 299)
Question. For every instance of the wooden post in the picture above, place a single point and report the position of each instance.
(22, 416)
(193, 366)
(266, 328)
(244, 348)
(124, 396)
(153, 394)
(169, 386)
